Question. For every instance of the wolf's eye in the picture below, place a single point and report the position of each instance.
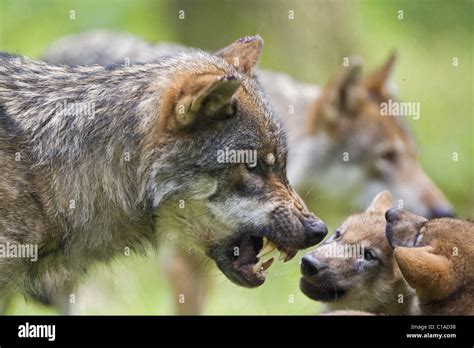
(369, 255)
(390, 156)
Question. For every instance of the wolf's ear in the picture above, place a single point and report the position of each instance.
(243, 54)
(342, 91)
(431, 275)
(381, 203)
(193, 98)
(378, 81)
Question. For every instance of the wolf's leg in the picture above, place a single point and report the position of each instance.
(187, 275)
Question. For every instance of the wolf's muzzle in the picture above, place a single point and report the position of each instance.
(315, 230)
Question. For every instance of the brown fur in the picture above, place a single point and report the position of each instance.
(436, 257)
(352, 283)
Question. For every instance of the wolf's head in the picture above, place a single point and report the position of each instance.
(436, 256)
(221, 174)
(355, 268)
(367, 145)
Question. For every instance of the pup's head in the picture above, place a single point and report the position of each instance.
(374, 151)
(223, 157)
(436, 256)
(355, 268)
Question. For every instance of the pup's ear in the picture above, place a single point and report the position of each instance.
(431, 275)
(378, 81)
(381, 203)
(243, 54)
(194, 98)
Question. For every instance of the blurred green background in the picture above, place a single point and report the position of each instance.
(310, 47)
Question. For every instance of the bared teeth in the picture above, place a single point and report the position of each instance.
(283, 255)
(257, 266)
(262, 265)
(290, 255)
(267, 248)
(266, 265)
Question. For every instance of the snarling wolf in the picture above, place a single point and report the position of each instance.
(436, 257)
(87, 187)
(341, 140)
(355, 269)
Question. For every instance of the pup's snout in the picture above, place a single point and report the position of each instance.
(441, 211)
(311, 266)
(393, 214)
(315, 230)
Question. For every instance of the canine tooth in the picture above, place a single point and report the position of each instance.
(283, 255)
(257, 266)
(268, 248)
(266, 265)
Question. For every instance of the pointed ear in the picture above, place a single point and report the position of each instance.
(431, 275)
(243, 54)
(193, 98)
(378, 81)
(381, 203)
(342, 91)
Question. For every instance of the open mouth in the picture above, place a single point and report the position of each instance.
(318, 292)
(251, 258)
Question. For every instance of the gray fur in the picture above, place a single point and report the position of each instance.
(74, 195)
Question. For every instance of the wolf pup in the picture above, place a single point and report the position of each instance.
(101, 160)
(436, 257)
(355, 268)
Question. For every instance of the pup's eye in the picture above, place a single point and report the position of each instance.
(369, 255)
(337, 234)
(390, 156)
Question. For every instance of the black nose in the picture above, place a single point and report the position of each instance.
(392, 214)
(440, 211)
(315, 230)
(311, 266)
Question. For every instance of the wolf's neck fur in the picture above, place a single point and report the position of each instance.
(91, 172)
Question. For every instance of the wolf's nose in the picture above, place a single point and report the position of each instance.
(311, 266)
(440, 211)
(392, 214)
(315, 230)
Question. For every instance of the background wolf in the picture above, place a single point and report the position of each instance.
(323, 124)
(86, 188)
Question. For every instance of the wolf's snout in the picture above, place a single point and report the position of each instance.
(311, 266)
(440, 211)
(314, 229)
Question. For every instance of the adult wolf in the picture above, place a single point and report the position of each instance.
(98, 160)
